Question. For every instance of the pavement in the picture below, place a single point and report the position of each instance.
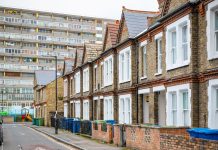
(20, 137)
(73, 140)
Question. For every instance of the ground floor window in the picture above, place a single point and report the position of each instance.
(108, 108)
(77, 109)
(65, 110)
(213, 104)
(125, 109)
(86, 110)
(179, 105)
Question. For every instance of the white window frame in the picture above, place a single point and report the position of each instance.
(108, 111)
(212, 104)
(86, 109)
(158, 38)
(211, 39)
(124, 110)
(65, 110)
(177, 27)
(86, 80)
(108, 71)
(124, 68)
(65, 88)
(77, 82)
(77, 109)
(178, 90)
(143, 48)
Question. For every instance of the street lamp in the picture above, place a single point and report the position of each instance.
(2, 99)
(56, 95)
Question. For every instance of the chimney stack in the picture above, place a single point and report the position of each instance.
(161, 4)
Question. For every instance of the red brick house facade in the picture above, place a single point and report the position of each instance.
(155, 67)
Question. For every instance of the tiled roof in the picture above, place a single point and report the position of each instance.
(68, 65)
(113, 31)
(43, 77)
(137, 21)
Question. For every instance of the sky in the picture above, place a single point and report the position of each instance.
(110, 9)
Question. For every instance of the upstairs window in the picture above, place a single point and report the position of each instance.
(125, 65)
(65, 87)
(108, 71)
(185, 42)
(212, 30)
(144, 61)
(158, 39)
(178, 49)
(85, 80)
(77, 82)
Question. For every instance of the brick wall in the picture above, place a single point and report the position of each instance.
(142, 138)
(102, 135)
(150, 138)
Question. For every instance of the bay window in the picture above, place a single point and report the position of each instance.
(178, 49)
(125, 65)
(86, 80)
(108, 71)
(86, 110)
(179, 105)
(108, 108)
(125, 109)
(213, 104)
(77, 109)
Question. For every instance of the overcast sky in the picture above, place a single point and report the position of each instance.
(95, 8)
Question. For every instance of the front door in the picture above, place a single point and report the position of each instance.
(145, 109)
(162, 109)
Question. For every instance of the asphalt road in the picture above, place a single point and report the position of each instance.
(20, 137)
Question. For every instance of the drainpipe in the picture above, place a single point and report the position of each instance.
(137, 77)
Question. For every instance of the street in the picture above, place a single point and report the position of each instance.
(20, 137)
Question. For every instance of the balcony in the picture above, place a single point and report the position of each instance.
(76, 26)
(17, 97)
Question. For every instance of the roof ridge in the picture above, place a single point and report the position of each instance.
(140, 11)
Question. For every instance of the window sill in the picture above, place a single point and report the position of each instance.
(158, 73)
(213, 56)
(177, 66)
(122, 82)
(108, 85)
(142, 78)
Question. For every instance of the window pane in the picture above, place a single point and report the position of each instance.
(144, 66)
(185, 100)
(174, 102)
(216, 20)
(173, 47)
(174, 108)
(127, 65)
(216, 38)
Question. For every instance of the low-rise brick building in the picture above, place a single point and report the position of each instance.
(155, 67)
(45, 100)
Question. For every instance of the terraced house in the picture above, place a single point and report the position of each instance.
(155, 67)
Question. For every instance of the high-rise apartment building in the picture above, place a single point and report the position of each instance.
(29, 39)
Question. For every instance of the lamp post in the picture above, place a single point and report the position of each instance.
(2, 99)
(56, 97)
